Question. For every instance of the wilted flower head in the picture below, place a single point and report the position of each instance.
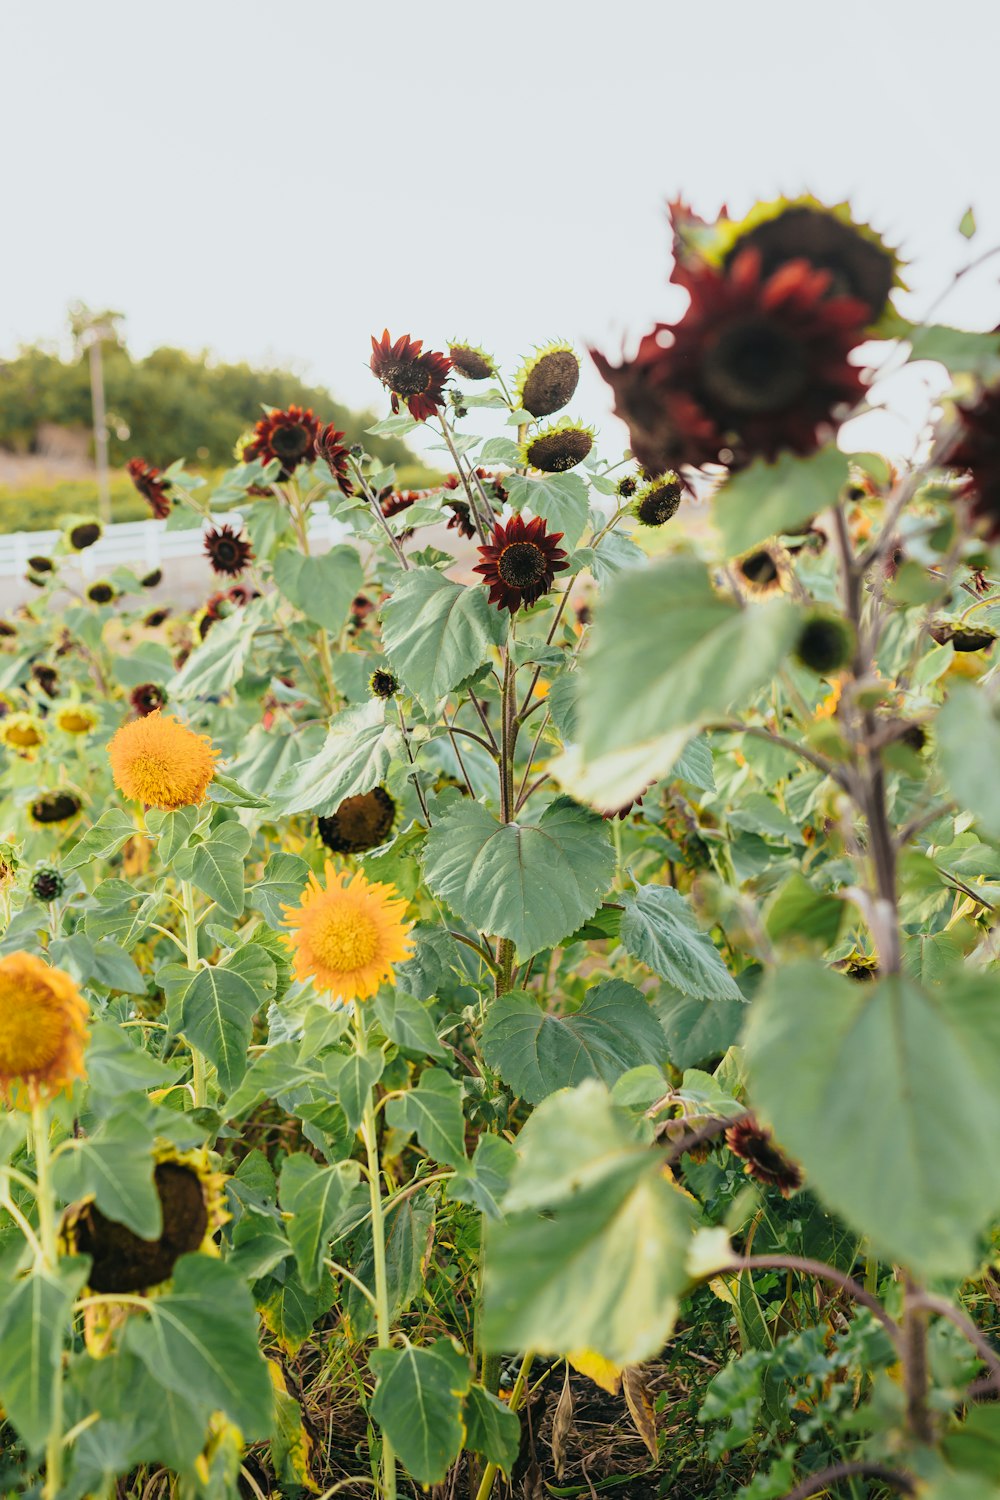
(54, 807)
(147, 698)
(763, 1157)
(151, 485)
(548, 380)
(101, 592)
(41, 564)
(560, 446)
(659, 499)
(520, 562)
(152, 579)
(960, 636)
(330, 446)
(359, 823)
(83, 535)
(409, 374)
(227, 551)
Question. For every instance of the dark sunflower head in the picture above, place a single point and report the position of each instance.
(147, 698)
(825, 642)
(152, 486)
(288, 436)
(156, 617)
(360, 823)
(560, 446)
(471, 362)
(331, 448)
(410, 375)
(101, 592)
(227, 551)
(362, 609)
(47, 883)
(548, 380)
(54, 807)
(7, 630)
(763, 1158)
(123, 1262)
(383, 684)
(460, 519)
(520, 562)
(759, 572)
(659, 499)
(627, 486)
(961, 636)
(41, 564)
(47, 678)
(84, 534)
(151, 580)
(977, 455)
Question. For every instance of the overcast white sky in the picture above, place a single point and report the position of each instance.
(277, 181)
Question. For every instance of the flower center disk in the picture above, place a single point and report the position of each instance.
(521, 564)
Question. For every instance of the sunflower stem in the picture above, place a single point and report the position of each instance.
(516, 1401)
(199, 1077)
(48, 1236)
(481, 527)
(370, 1135)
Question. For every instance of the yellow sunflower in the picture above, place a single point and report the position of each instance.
(161, 762)
(76, 718)
(347, 934)
(42, 1028)
(22, 733)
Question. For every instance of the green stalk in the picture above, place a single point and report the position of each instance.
(50, 1254)
(191, 960)
(370, 1136)
(516, 1398)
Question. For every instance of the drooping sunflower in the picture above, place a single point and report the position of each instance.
(161, 762)
(42, 1029)
(760, 572)
(76, 718)
(763, 1158)
(152, 580)
(47, 678)
(347, 934)
(288, 436)
(101, 592)
(84, 534)
(54, 807)
(960, 636)
(147, 698)
(156, 618)
(560, 446)
(409, 374)
(22, 733)
(471, 362)
(757, 366)
(977, 454)
(359, 823)
(41, 564)
(520, 562)
(330, 446)
(825, 642)
(227, 551)
(548, 380)
(658, 500)
(152, 486)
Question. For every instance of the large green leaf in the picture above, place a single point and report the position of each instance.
(267, 756)
(957, 349)
(537, 1052)
(433, 1112)
(352, 1078)
(532, 882)
(407, 1023)
(436, 633)
(219, 662)
(658, 927)
(768, 498)
(591, 1254)
(967, 733)
(668, 656)
(314, 1196)
(219, 1005)
(355, 757)
(493, 1429)
(141, 1421)
(34, 1319)
(418, 1405)
(409, 1225)
(279, 886)
(321, 587)
(200, 1339)
(698, 1030)
(889, 1094)
(115, 1166)
(112, 829)
(217, 866)
(485, 1179)
(561, 500)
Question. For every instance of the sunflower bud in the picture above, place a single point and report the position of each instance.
(47, 883)
(383, 684)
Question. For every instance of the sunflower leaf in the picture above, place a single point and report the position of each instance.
(436, 633)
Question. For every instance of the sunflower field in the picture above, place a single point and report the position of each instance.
(508, 1005)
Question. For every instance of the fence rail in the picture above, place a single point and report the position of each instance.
(145, 544)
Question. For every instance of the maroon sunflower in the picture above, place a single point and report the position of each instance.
(520, 562)
(147, 698)
(151, 486)
(410, 375)
(330, 446)
(460, 519)
(757, 365)
(763, 1157)
(978, 454)
(227, 551)
(288, 436)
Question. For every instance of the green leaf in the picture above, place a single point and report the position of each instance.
(219, 1005)
(418, 1405)
(433, 1111)
(889, 1094)
(698, 1030)
(112, 829)
(353, 1078)
(314, 1196)
(230, 793)
(115, 1165)
(280, 885)
(493, 1430)
(321, 587)
(537, 1052)
(638, 708)
(34, 1320)
(592, 1252)
(171, 830)
(614, 554)
(534, 883)
(967, 733)
(560, 499)
(409, 1225)
(436, 632)
(959, 351)
(217, 866)
(141, 1421)
(766, 499)
(967, 224)
(799, 913)
(116, 1065)
(289, 1311)
(219, 662)
(355, 757)
(483, 1181)
(407, 1023)
(267, 756)
(200, 1340)
(659, 928)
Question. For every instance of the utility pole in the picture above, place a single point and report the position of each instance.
(90, 331)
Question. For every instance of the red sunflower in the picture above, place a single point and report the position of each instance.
(756, 366)
(151, 486)
(289, 436)
(330, 446)
(227, 551)
(411, 376)
(978, 453)
(763, 1158)
(520, 562)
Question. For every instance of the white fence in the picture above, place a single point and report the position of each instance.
(143, 545)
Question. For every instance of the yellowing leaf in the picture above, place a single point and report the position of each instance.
(598, 1369)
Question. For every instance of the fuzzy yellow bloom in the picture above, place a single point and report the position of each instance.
(76, 718)
(42, 1028)
(161, 762)
(347, 934)
(21, 732)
